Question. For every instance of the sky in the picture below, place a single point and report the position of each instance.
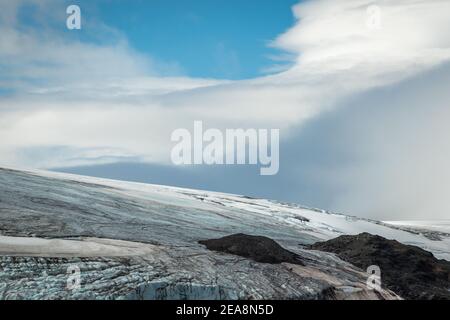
(225, 39)
(361, 104)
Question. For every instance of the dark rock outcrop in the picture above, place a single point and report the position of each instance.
(257, 248)
(409, 271)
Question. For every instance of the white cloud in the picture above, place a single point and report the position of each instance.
(389, 151)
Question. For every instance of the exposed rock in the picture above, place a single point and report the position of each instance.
(257, 248)
(410, 271)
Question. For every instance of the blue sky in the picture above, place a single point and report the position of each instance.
(225, 39)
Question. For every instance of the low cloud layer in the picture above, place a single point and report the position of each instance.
(356, 108)
(383, 154)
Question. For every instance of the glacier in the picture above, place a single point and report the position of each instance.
(140, 241)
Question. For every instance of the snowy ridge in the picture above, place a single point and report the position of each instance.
(314, 224)
(157, 229)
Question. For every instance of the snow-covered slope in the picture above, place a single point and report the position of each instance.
(438, 226)
(135, 240)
